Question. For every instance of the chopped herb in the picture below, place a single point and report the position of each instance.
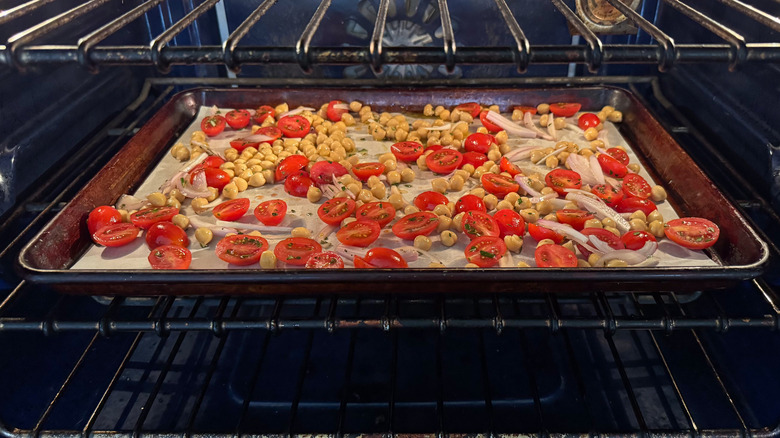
(486, 254)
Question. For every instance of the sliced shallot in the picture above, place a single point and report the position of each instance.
(510, 126)
(129, 202)
(523, 181)
(630, 257)
(600, 209)
(258, 138)
(595, 168)
(557, 151)
(341, 106)
(521, 153)
(580, 164)
(295, 111)
(551, 127)
(445, 127)
(529, 124)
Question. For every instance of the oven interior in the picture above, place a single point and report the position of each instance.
(78, 79)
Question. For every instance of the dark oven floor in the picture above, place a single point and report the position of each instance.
(676, 364)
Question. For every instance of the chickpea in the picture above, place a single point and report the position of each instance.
(655, 215)
(409, 209)
(365, 196)
(551, 162)
(591, 134)
(457, 221)
(442, 210)
(602, 116)
(504, 205)
(314, 194)
(658, 194)
(593, 258)
(125, 215)
(537, 155)
(422, 242)
(393, 177)
(378, 191)
(396, 200)
(199, 205)
(613, 230)
(456, 183)
(257, 180)
(444, 115)
(593, 223)
(230, 191)
(407, 175)
(615, 116)
(428, 110)
(522, 203)
(157, 199)
(634, 167)
(198, 136)
(181, 153)
(517, 115)
(448, 238)
(656, 228)
(512, 197)
(490, 201)
(173, 202)
(559, 123)
(436, 265)
(639, 214)
(607, 109)
(213, 194)
(545, 207)
(439, 185)
(494, 155)
(583, 264)
(543, 108)
(608, 222)
(545, 242)
(230, 173)
(586, 153)
(544, 120)
(502, 138)
(181, 221)
(513, 242)
(468, 168)
(471, 265)
(616, 263)
(529, 215)
(445, 222)
(241, 184)
(522, 264)
(203, 236)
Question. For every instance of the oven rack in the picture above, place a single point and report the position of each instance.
(23, 50)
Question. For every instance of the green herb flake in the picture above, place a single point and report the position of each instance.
(486, 254)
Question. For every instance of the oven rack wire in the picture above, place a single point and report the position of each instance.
(23, 50)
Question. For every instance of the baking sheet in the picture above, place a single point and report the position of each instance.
(302, 213)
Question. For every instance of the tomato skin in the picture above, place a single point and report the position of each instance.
(588, 120)
(433, 147)
(564, 109)
(610, 195)
(444, 160)
(101, 216)
(611, 166)
(290, 165)
(170, 257)
(271, 213)
(334, 114)
(242, 144)
(472, 108)
(359, 233)
(238, 119)
(427, 201)
(216, 178)
(381, 258)
(298, 185)
(166, 233)
(603, 235)
(213, 161)
(322, 172)
(692, 232)
(525, 109)
(364, 171)
(630, 205)
(324, 260)
(381, 212)
(231, 210)
(575, 218)
(113, 235)
(478, 224)
(407, 151)
(485, 251)
(635, 240)
(490, 126)
(540, 233)
(470, 202)
(499, 185)
(412, 225)
(270, 131)
(479, 142)
(212, 125)
(294, 126)
(507, 166)
(335, 210)
(509, 223)
(296, 250)
(636, 186)
(562, 179)
(554, 256)
(147, 217)
(263, 113)
(241, 249)
(620, 155)
(476, 159)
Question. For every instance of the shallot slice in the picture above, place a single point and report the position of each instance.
(541, 160)
(129, 202)
(595, 168)
(324, 233)
(538, 199)
(521, 153)
(568, 231)
(630, 257)
(410, 254)
(445, 127)
(551, 127)
(600, 209)
(529, 124)
(510, 126)
(295, 111)
(523, 181)
(580, 164)
(258, 138)
(341, 106)
(275, 229)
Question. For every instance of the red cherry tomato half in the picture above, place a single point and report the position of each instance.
(619, 154)
(102, 216)
(478, 224)
(472, 108)
(242, 144)
(479, 142)
(263, 113)
(635, 240)
(149, 216)
(499, 185)
(636, 186)
(565, 109)
(608, 194)
(324, 260)
(444, 160)
(468, 203)
(381, 212)
(433, 147)
(294, 126)
(603, 235)
(381, 258)
(507, 166)
(554, 256)
(427, 201)
(170, 257)
(212, 125)
(575, 218)
(588, 120)
(611, 166)
(490, 126)
(509, 223)
(238, 119)
(271, 213)
(322, 172)
(412, 225)
(241, 249)
(359, 233)
(540, 233)
(296, 250)
(485, 251)
(692, 232)
(407, 151)
(166, 233)
(298, 185)
(270, 131)
(335, 210)
(216, 178)
(290, 165)
(630, 205)
(562, 179)
(364, 171)
(118, 234)
(476, 159)
(213, 161)
(231, 210)
(334, 114)
(525, 109)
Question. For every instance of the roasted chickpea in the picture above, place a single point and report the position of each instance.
(616, 263)
(593, 223)
(407, 175)
(513, 242)
(639, 214)
(593, 258)
(545, 242)
(490, 201)
(396, 200)
(457, 221)
(409, 209)
(545, 207)
(655, 215)
(203, 236)
(230, 191)
(607, 222)
(529, 215)
(439, 185)
(543, 108)
(613, 230)
(448, 238)
(199, 205)
(181, 221)
(591, 134)
(615, 116)
(658, 194)
(268, 260)
(445, 222)
(583, 264)
(422, 242)
(656, 228)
